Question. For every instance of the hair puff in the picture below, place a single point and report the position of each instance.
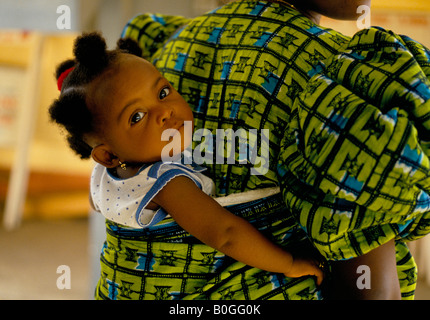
(72, 113)
(90, 51)
(129, 46)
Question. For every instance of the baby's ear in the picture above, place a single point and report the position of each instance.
(103, 155)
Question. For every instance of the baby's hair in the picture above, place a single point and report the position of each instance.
(71, 110)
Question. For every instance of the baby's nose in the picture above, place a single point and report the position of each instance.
(165, 113)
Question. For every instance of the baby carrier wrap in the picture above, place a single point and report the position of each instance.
(348, 121)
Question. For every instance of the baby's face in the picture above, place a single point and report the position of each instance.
(137, 105)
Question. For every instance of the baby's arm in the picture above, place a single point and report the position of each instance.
(209, 222)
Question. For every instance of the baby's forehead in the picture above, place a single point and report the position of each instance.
(121, 69)
(127, 74)
(128, 69)
(128, 59)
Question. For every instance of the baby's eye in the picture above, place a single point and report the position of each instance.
(137, 117)
(164, 92)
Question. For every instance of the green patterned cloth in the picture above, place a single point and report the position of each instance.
(164, 262)
(348, 118)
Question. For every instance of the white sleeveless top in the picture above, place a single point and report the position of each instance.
(124, 200)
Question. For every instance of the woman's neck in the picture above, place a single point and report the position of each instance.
(315, 17)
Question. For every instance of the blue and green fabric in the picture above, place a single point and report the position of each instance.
(348, 120)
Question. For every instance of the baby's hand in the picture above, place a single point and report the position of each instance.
(303, 267)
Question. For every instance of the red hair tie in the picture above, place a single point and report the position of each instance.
(63, 76)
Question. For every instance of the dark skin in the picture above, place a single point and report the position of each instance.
(384, 282)
(382, 260)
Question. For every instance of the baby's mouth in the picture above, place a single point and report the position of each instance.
(174, 132)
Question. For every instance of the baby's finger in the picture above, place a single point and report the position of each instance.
(320, 276)
(321, 267)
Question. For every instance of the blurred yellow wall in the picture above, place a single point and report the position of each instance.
(59, 179)
(411, 5)
(50, 151)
